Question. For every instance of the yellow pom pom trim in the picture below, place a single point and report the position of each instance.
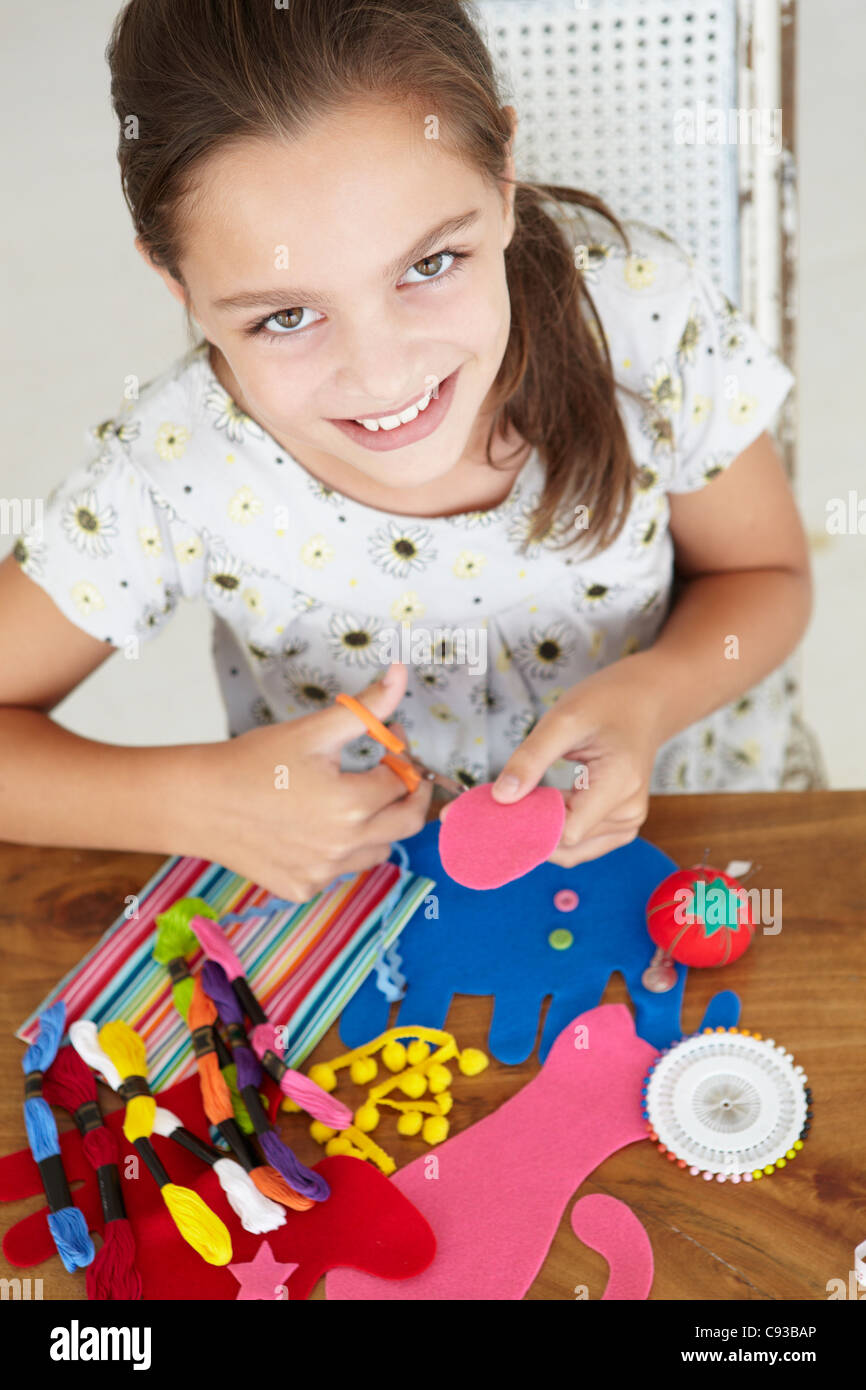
(413, 1085)
(363, 1070)
(321, 1132)
(444, 1100)
(324, 1076)
(435, 1129)
(365, 1147)
(417, 1051)
(289, 1105)
(366, 1118)
(426, 1107)
(438, 1078)
(472, 1061)
(394, 1056)
(338, 1145)
(410, 1122)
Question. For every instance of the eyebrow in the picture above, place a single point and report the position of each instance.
(293, 296)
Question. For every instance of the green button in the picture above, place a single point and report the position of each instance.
(561, 939)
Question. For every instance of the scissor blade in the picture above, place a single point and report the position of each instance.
(448, 784)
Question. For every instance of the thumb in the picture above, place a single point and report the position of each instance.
(337, 725)
(551, 738)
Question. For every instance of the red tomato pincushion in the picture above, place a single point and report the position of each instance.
(700, 916)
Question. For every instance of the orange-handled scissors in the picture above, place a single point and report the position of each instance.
(408, 768)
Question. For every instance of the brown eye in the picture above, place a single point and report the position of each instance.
(288, 318)
(430, 260)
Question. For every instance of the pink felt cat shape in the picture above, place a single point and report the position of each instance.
(504, 1183)
(607, 1225)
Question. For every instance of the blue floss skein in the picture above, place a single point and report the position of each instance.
(65, 1222)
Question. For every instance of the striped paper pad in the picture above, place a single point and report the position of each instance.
(303, 960)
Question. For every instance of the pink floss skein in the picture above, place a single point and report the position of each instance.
(299, 1088)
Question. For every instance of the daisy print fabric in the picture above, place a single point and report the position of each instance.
(183, 496)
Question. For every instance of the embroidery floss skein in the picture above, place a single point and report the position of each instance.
(217, 1108)
(175, 942)
(65, 1222)
(113, 1275)
(200, 1227)
(257, 1213)
(293, 1084)
(202, 1017)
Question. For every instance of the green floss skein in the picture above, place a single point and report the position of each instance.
(175, 939)
(242, 1115)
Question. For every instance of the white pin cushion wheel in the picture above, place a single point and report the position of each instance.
(727, 1104)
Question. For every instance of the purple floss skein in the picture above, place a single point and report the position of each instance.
(309, 1184)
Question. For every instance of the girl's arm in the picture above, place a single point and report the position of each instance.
(742, 553)
(57, 788)
(741, 550)
(271, 804)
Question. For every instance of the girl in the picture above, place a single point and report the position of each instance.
(433, 405)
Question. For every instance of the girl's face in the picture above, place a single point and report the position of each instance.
(324, 274)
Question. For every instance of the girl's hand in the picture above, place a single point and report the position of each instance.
(607, 723)
(274, 805)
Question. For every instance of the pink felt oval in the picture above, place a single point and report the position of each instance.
(484, 843)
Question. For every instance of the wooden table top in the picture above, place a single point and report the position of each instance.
(779, 1239)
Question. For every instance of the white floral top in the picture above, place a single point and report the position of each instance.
(184, 496)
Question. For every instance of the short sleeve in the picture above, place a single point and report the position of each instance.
(731, 385)
(109, 551)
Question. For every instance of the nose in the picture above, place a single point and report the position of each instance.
(374, 370)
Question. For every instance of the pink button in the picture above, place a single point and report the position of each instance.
(565, 900)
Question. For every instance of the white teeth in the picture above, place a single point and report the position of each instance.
(390, 422)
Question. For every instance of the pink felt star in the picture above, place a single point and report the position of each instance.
(263, 1277)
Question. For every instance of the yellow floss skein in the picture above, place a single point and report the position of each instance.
(128, 1053)
(200, 1227)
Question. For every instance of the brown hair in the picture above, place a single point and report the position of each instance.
(188, 76)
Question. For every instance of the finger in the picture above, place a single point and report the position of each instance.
(554, 735)
(592, 848)
(613, 824)
(332, 727)
(372, 791)
(608, 796)
(402, 819)
(366, 858)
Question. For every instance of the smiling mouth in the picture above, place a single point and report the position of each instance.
(415, 422)
(392, 419)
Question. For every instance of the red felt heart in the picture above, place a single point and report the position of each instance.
(484, 843)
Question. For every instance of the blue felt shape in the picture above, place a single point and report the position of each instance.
(496, 942)
(723, 1010)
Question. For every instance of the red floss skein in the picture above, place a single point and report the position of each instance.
(69, 1083)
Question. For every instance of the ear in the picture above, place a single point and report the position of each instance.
(509, 188)
(174, 286)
